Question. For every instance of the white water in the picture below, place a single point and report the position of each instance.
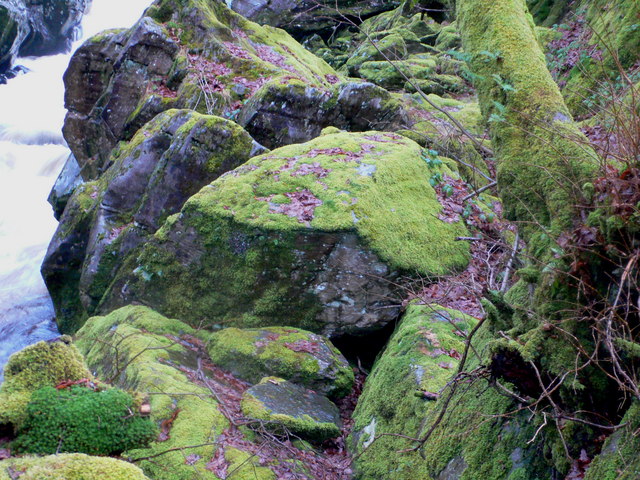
(32, 153)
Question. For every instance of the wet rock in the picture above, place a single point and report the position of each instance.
(116, 67)
(149, 179)
(311, 236)
(284, 407)
(296, 355)
(37, 27)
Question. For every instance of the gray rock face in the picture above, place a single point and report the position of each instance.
(104, 83)
(167, 161)
(282, 113)
(68, 180)
(305, 17)
(283, 406)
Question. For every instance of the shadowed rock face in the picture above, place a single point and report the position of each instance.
(167, 161)
(103, 84)
(306, 17)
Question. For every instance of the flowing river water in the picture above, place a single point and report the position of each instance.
(32, 153)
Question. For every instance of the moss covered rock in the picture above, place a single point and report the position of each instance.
(295, 355)
(40, 365)
(283, 407)
(150, 178)
(150, 362)
(286, 111)
(74, 466)
(407, 378)
(195, 54)
(310, 236)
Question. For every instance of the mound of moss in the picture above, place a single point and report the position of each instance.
(82, 420)
(44, 364)
(310, 235)
(295, 355)
(73, 466)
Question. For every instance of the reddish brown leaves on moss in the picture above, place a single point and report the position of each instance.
(305, 346)
(302, 206)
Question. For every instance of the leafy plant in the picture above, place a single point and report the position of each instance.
(82, 420)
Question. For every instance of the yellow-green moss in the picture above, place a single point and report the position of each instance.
(69, 467)
(540, 156)
(420, 357)
(152, 367)
(253, 354)
(40, 365)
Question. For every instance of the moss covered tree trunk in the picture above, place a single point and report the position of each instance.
(543, 160)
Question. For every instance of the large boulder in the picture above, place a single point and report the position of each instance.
(8, 35)
(181, 55)
(303, 18)
(286, 111)
(312, 236)
(148, 179)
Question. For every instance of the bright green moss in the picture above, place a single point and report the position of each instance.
(295, 355)
(376, 187)
(82, 420)
(70, 467)
(619, 458)
(152, 363)
(539, 151)
(420, 357)
(246, 466)
(399, 228)
(39, 365)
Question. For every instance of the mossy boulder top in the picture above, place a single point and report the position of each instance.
(74, 466)
(309, 236)
(296, 355)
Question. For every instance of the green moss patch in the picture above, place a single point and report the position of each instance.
(40, 365)
(82, 420)
(69, 467)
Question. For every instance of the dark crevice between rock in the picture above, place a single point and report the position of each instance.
(362, 350)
